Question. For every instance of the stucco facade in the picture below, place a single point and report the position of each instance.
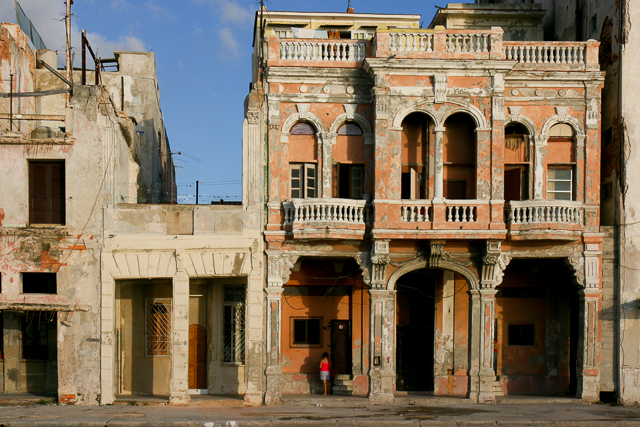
(62, 166)
(414, 177)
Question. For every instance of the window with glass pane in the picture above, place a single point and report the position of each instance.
(234, 323)
(306, 332)
(559, 184)
(303, 179)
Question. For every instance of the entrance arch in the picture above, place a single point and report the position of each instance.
(433, 328)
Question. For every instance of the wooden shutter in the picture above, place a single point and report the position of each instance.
(46, 193)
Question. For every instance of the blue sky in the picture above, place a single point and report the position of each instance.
(202, 50)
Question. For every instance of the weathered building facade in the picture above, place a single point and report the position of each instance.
(433, 207)
(63, 164)
(611, 23)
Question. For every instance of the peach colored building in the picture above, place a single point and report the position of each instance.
(432, 200)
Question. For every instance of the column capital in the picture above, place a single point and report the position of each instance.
(494, 262)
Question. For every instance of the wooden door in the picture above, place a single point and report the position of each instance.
(341, 346)
(197, 357)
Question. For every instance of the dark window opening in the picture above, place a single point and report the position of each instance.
(455, 189)
(1, 335)
(307, 332)
(39, 283)
(416, 131)
(46, 193)
(350, 181)
(521, 335)
(35, 327)
(234, 314)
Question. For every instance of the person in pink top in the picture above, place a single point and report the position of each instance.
(325, 371)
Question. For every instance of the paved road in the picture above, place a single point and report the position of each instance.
(273, 416)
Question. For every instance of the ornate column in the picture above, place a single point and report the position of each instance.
(279, 269)
(382, 324)
(587, 271)
(493, 264)
(539, 153)
(438, 180)
(326, 141)
(180, 345)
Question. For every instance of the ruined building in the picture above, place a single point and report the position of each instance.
(433, 204)
(62, 166)
(611, 23)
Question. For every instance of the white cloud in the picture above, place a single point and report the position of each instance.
(229, 11)
(230, 46)
(120, 4)
(158, 11)
(48, 18)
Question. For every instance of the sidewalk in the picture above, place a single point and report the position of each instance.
(453, 414)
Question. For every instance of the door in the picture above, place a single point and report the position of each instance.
(197, 357)
(341, 346)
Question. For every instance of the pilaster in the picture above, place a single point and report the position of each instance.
(180, 346)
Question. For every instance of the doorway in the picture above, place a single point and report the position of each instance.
(197, 357)
(415, 325)
(341, 346)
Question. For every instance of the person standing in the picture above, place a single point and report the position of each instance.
(325, 371)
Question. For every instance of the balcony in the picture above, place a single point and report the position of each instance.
(556, 219)
(317, 52)
(326, 218)
(434, 44)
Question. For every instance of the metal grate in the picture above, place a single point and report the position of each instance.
(158, 327)
(234, 323)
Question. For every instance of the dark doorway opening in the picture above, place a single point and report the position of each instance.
(341, 346)
(415, 311)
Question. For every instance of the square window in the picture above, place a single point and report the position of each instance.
(39, 283)
(303, 180)
(35, 327)
(521, 335)
(306, 332)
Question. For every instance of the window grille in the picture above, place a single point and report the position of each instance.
(306, 332)
(234, 323)
(158, 327)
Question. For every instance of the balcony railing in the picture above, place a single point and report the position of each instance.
(462, 213)
(545, 211)
(309, 211)
(322, 50)
(545, 53)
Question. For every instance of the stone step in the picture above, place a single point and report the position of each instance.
(497, 388)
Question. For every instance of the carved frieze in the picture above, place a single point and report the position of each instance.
(440, 88)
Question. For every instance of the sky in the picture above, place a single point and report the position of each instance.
(203, 61)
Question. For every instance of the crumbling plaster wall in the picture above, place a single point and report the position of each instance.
(17, 58)
(70, 250)
(630, 212)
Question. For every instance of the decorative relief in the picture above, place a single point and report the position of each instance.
(576, 263)
(493, 266)
(515, 92)
(364, 262)
(592, 114)
(562, 113)
(304, 88)
(350, 110)
(350, 90)
(326, 89)
(274, 114)
(434, 257)
(562, 92)
(498, 82)
(514, 113)
(379, 259)
(498, 108)
(440, 88)
(253, 116)
(279, 268)
(538, 92)
(382, 106)
(303, 111)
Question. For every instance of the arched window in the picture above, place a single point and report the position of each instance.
(348, 168)
(517, 166)
(303, 161)
(416, 131)
(459, 157)
(561, 163)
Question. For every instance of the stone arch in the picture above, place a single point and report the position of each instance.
(308, 117)
(403, 113)
(471, 110)
(571, 121)
(418, 264)
(524, 121)
(357, 118)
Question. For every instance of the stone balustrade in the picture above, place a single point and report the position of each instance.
(535, 55)
(322, 51)
(309, 211)
(545, 211)
(461, 212)
(417, 211)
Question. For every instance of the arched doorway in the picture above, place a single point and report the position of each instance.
(537, 329)
(432, 332)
